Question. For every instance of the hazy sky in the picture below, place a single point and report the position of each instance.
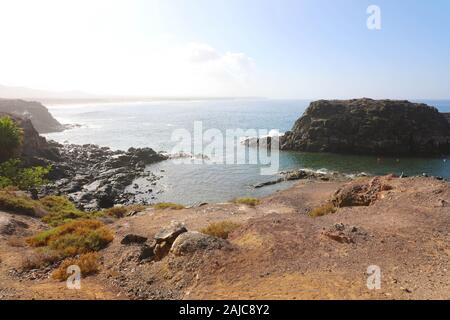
(270, 48)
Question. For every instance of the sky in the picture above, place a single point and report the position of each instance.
(307, 49)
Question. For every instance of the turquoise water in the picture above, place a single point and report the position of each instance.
(125, 125)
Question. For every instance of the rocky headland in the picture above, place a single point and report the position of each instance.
(38, 114)
(366, 126)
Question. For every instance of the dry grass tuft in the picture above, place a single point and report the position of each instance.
(122, 211)
(16, 242)
(88, 264)
(40, 259)
(220, 229)
(323, 210)
(248, 201)
(168, 205)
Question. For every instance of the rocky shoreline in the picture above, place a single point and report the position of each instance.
(95, 177)
(305, 174)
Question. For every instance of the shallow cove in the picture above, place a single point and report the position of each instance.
(124, 125)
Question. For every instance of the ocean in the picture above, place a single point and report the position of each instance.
(152, 124)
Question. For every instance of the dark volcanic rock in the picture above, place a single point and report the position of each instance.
(96, 177)
(42, 120)
(366, 126)
(447, 116)
(132, 239)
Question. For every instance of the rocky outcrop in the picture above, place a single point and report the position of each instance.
(191, 242)
(303, 174)
(358, 193)
(34, 147)
(366, 126)
(162, 242)
(38, 114)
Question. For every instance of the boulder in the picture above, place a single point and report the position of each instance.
(366, 126)
(170, 233)
(191, 242)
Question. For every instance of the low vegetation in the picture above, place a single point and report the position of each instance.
(88, 264)
(41, 258)
(220, 229)
(168, 205)
(61, 210)
(15, 201)
(11, 137)
(248, 201)
(12, 174)
(323, 210)
(121, 211)
(73, 238)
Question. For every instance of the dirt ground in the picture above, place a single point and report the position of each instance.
(278, 252)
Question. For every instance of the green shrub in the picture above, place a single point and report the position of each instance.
(11, 136)
(248, 201)
(61, 210)
(323, 210)
(5, 182)
(168, 205)
(73, 238)
(220, 229)
(11, 174)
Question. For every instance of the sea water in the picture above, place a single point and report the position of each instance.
(152, 124)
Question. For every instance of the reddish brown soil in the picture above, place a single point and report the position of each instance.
(279, 252)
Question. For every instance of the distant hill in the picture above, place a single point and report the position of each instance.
(7, 92)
